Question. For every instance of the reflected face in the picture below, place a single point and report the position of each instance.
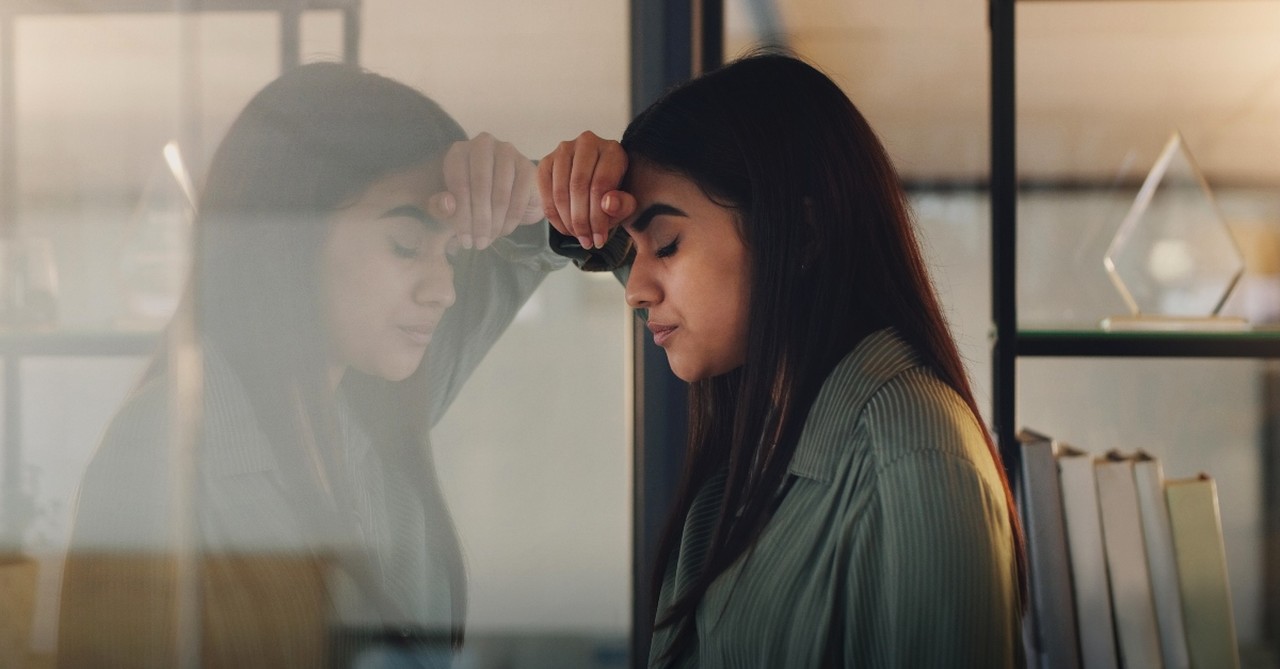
(691, 272)
(386, 274)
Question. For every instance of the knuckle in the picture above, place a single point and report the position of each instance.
(560, 199)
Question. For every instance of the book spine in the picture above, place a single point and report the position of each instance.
(1127, 563)
(1202, 572)
(1053, 610)
(1089, 579)
(1158, 537)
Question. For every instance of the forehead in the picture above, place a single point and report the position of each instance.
(412, 185)
(649, 184)
(677, 198)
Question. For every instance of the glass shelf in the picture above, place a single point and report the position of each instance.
(1081, 342)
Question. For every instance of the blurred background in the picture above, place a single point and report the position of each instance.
(536, 455)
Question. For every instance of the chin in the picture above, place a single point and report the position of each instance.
(397, 376)
(688, 373)
(692, 373)
(396, 371)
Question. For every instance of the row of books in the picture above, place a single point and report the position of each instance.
(1127, 569)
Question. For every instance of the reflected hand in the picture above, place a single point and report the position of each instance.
(579, 187)
(491, 189)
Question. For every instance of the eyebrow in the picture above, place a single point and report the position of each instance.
(654, 210)
(410, 211)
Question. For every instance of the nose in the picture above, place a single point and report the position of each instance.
(434, 285)
(643, 291)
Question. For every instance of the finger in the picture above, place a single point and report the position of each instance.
(533, 211)
(584, 163)
(610, 167)
(505, 171)
(458, 183)
(560, 188)
(481, 165)
(545, 200)
(442, 206)
(524, 192)
(618, 204)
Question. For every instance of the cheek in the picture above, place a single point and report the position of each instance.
(354, 291)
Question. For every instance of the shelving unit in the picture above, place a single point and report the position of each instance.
(1009, 343)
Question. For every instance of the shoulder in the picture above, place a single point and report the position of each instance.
(136, 437)
(917, 413)
(880, 404)
(124, 491)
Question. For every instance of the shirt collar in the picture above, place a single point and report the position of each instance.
(879, 357)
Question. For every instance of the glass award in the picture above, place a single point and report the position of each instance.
(155, 256)
(1173, 259)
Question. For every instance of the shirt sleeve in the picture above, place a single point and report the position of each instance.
(491, 285)
(930, 581)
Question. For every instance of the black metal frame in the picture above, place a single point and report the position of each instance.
(671, 41)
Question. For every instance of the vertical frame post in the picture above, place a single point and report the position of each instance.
(1004, 212)
(671, 41)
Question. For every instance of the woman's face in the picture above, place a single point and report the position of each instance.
(691, 272)
(387, 277)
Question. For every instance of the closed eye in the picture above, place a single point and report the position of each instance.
(403, 251)
(668, 250)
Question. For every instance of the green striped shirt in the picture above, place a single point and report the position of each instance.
(891, 548)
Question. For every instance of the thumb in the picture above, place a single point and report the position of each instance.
(533, 212)
(442, 205)
(618, 204)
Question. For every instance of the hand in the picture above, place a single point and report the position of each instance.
(490, 190)
(579, 187)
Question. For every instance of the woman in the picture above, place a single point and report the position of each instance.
(356, 257)
(842, 504)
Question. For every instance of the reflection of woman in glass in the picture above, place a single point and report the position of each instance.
(842, 504)
(356, 257)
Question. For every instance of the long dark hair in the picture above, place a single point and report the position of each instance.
(834, 258)
(308, 143)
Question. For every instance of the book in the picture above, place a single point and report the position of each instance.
(1202, 572)
(1135, 617)
(1053, 621)
(1089, 580)
(1157, 535)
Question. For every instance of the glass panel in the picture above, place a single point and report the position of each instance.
(262, 406)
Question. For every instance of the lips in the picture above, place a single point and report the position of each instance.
(661, 333)
(419, 334)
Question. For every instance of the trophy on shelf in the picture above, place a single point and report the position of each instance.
(155, 254)
(1173, 259)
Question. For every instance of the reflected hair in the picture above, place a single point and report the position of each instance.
(309, 143)
(833, 258)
